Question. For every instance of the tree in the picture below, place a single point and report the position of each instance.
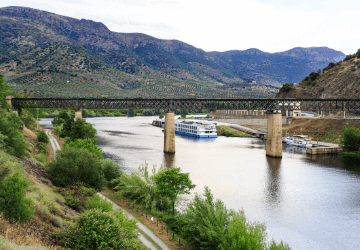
(131, 113)
(161, 116)
(89, 144)
(81, 129)
(73, 165)
(351, 139)
(171, 183)
(12, 198)
(148, 112)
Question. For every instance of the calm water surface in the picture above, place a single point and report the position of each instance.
(309, 202)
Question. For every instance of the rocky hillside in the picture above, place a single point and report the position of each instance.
(38, 46)
(337, 80)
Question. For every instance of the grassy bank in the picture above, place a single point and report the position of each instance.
(230, 132)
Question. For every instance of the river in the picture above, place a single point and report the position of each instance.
(309, 202)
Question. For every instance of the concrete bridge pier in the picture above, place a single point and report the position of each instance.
(274, 134)
(78, 114)
(8, 101)
(169, 132)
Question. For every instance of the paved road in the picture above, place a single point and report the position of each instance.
(55, 145)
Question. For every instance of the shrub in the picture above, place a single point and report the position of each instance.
(11, 126)
(74, 165)
(97, 229)
(352, 69)
(3, 139)
(357, 53)
(110, 169)
(351, 138)
(210, 217)
(89, 144)
(42, 146)
(286, 87)
(96, 202)
(140, 187)
(42, 136)
(358, 65)
(80, 129)
(148, 112)
(12, 198)
(348, 57)
(28, 119)
(58, 129)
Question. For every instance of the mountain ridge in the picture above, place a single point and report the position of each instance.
(139, 55)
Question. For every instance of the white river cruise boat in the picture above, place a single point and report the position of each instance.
(192, 128)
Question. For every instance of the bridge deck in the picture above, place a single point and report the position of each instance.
(209, 104)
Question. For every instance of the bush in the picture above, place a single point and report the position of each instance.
(11, 126)
(80, 129)
(351, 139)
(97, 229)
(357, 53)
(12, 198)
(73, 165)
(286, 87)
(352, 69)
(42, 136)
(96, 202)
(110, 169)
(348, 57)
(42, 146)
(148, 112)
(88, 144)
(28, 119)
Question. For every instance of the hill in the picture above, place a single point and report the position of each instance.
(39, 47)
(337, 80)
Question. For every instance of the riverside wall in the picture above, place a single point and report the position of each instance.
(252, 121)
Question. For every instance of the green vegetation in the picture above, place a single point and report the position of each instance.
(110, 169)
(286, 87)
(229, 132)
(172, 183)
(96, 202)
(73, 165)
(97, 229)
(13, 203)
(351, 139)
(42, 136)
(205, 223)
(88, 143)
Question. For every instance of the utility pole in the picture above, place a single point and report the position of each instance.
(37, 118)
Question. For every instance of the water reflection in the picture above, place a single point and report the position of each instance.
(169, 160)
(273, 192)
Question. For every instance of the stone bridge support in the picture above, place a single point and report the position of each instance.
(78, 114)
(8, 101)
(274, 134)
(169, 132)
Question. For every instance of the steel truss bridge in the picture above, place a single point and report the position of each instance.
(205, 103)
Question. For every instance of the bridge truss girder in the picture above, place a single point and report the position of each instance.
(205, 103)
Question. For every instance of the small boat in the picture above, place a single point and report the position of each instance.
(299, 141)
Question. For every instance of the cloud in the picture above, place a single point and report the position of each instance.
(223, 25)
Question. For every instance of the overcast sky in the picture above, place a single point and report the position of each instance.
(221, 25)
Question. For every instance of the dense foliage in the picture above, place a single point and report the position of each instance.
(89, 144)
(110, 169)
(73, 165)
(97, 229)
(13, 203)
(351, 139)
(42, 136)
(171, 183)
(286, 87)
